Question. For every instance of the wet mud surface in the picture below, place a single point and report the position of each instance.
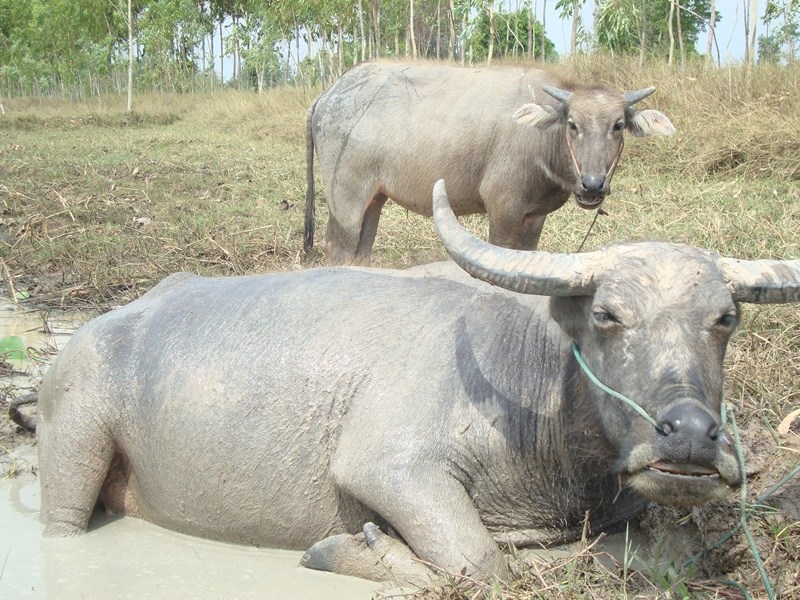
(130, 558)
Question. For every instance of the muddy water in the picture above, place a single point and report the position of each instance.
(125, 557)
(42, 333)
(130, 558)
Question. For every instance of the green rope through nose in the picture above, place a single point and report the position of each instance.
(638, 409)
(744, 514)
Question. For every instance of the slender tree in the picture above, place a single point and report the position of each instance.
(130, 56)
(411, 29)
(571, 9)
(671, 58)
(543, 52)
(491, 32)
(712, 31)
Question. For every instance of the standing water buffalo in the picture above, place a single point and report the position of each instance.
(390, 130)
(323, 408)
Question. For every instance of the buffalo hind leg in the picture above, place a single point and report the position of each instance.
(349, 238)
(369, 227)
(74, 459)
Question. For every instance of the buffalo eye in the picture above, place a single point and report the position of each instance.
(604, 318)
(619, 125)
(572, 126)
(726, 321)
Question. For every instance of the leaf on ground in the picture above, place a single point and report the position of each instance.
(13, 348)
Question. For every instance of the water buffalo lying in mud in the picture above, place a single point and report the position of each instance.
(380, 418)
(512, 141)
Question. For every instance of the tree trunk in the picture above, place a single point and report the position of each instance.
(361, 31)
(576, 19)
(412, 37)
(712, 22)
(746, 32)
(491, 32)
(211, 57)
(376, 11)
(130, 57)
(753, 23)
(221, 54)
(680, 35)
(643, 35)
(464, 49)
(320, 57)
(204, 68)
(451, 43)
(531, 31)
(288, 56)
(671, 33)
(340, 48)
(235, 54)
(544, 20)
(438, 29)
(297, 48)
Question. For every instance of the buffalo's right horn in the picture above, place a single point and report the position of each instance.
(762, 281)
(633, 97)
(559, 94)
(523, 271)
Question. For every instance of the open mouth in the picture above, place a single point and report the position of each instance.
(679, 484)
(589, 202)
(682, 469)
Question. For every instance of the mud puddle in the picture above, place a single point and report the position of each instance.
(130, 558)
(28, 336)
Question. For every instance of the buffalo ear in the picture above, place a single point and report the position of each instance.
(649, 122)
(537, 115)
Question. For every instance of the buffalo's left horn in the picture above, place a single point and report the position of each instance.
(559, 94)
(523, 271)
(762, 281)
(633, 97)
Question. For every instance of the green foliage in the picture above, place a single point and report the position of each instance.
(769, 49)
(510, 36)
(785, 37)
(621, 24)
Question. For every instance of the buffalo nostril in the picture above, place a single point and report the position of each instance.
(687, 418)
(592, 183)
(665, 428)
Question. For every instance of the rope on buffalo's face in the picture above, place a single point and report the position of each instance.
(744, 512)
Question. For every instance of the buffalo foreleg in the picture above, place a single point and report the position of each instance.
(370, 555)
(432, 512)
(514, 231)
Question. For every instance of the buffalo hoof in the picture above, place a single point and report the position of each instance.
(370, 554)
(321, 556)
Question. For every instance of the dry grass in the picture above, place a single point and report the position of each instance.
(97, 206)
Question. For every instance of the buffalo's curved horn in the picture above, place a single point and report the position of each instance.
(526, 272)
(559, 94)
(762, 281)
(633, 97)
